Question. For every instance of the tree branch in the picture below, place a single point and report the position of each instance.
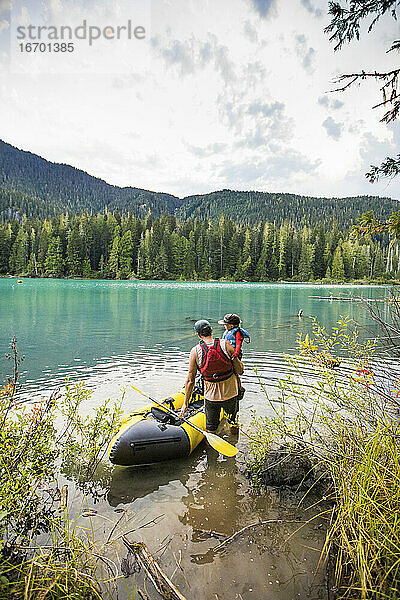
(390, 167)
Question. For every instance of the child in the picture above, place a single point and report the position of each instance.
(235, 335)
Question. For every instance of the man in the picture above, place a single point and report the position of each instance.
(219, 368)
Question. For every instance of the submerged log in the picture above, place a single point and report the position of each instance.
(208, 533)
(249, 527)
(160, 580)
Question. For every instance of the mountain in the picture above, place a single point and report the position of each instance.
(35, 187)
(253, 207)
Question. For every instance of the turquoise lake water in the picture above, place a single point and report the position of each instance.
(109, 332)
(112, 334)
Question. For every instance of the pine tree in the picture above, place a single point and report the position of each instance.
(5, 245)
(102, 266)
(190, 256)
(337, 265)
(285, 258)
(265, 267)
(177, 251)
(114, 260)
(247, 267)
(126, 249)
(86, 236)
(87, 269)
(43, 244)
(307, 255)
(74, 253)
(306, 262)
(31, 268)
(160, 270)
(348, 259)
(20, 252)
(53, 266)
(361, 262)
(327, 257)
(379, 264)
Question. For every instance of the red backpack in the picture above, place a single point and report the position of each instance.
(215, 365)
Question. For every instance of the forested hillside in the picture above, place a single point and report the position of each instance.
(35, 187)
(253, 207)
(115, 247)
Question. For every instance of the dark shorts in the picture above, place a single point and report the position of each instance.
(213, 411)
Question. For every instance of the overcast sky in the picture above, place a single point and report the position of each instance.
(220, 94)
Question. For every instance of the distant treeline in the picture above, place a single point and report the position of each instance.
(114, 247)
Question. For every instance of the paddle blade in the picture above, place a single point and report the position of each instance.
(220, 445)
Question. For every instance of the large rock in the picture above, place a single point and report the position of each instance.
(286, 467)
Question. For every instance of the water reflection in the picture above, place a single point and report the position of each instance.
(129, 484)
(215, 503)
(183, 510)
(272, 561)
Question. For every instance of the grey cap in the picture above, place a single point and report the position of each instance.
(200, 325)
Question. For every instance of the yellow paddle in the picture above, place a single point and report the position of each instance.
(214, 440)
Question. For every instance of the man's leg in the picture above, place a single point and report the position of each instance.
(231, 410)
(212, 410)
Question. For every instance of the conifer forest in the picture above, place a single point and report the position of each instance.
(110, 246)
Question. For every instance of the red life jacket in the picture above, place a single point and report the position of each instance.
(215, 365)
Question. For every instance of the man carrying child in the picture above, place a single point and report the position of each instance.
(219, 368)
(219, 362)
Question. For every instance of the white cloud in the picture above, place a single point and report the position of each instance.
(192, 54)
(305, 52)
(265, 8)
(330, 103)
(309, 5)
(209, 150)
(333, 128)
(250, 32)
(233, 95)
(262, 173)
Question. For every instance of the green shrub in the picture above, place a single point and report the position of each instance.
(346, 416)
(33, 452)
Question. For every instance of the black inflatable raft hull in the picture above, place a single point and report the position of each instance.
(151, 435)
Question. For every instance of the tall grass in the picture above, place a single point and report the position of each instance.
(366, 527)
(347, 419)
(65, 567)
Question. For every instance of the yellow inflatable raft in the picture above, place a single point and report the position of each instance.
(152, 434)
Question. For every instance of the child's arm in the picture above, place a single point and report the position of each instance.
(237, 363)
(239, 341)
